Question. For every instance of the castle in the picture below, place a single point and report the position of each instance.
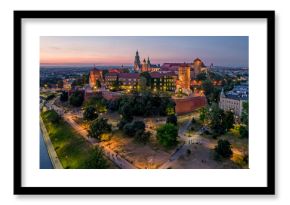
(183, 82)
(95, 75)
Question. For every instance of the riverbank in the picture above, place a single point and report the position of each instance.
(45, 161)
(51, 151)
(73, 150)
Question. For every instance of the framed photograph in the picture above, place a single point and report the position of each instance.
(144, 102)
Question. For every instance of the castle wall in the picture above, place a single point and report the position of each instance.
(189, 104)
(111, 95)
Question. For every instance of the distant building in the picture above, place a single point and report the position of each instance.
(183, 82)
(137, 62)
(145, 66)
(197, 65)
(95, 75)
(195, 68)
(111, 79)
(170, 67)
(67, 84)
(234, 99)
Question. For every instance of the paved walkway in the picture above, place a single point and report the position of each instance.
(51, 151)
(113, 156)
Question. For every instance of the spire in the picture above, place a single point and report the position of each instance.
(148, 60)
(222, 93)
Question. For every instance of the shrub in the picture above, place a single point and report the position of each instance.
(167, 135)
(98, 127)
(172, 119)
(90, 113)
(76, 99)
(223, 148)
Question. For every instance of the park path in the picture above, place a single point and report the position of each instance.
(113, 156)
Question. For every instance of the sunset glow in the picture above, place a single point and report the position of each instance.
(116, 50)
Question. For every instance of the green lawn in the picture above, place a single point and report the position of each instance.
(72, 150)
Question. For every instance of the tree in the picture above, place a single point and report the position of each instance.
(201, 76)
(101, 106)
(96, 160)
(167, 135)
(216, 116)
(147, 76)
(122, 123)
(223, 148)
(60, 84)
(245, 113)
(142, 137)
(98, 127)
(50, 97)
(228, 120)
(64, 96)
(203, 115)
(113, 105)
(116, 85)
(127, 112)
(172, 119)
(90, 113)
(85, 79)
(143, 84)
(131, 129)
(244, 131)
(139, 125)
(76, 99)
(52, 116)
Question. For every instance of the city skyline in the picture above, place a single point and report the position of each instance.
(117, 50)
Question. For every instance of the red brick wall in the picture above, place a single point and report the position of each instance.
(110, 96)
(186, 105)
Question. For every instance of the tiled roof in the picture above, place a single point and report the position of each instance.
(111, 74)
(129, 75)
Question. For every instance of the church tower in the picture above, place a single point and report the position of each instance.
(137, 63)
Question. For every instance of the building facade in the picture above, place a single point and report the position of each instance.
(234, 99)
(183, 82)
(95, 75)
(128, 81)
(67, 84)
(163, 81)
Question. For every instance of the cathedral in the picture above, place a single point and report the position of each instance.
(145, 66)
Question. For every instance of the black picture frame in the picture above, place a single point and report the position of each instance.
(268, 190)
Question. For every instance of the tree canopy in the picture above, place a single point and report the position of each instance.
(131, 129)
(167, 135)
(64, 96)
(172, 119)
(90, 113)
(223, 148)
(98, 127)
(76, 99)
(144, 105)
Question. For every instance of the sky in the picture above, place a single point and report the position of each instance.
(118, 50)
